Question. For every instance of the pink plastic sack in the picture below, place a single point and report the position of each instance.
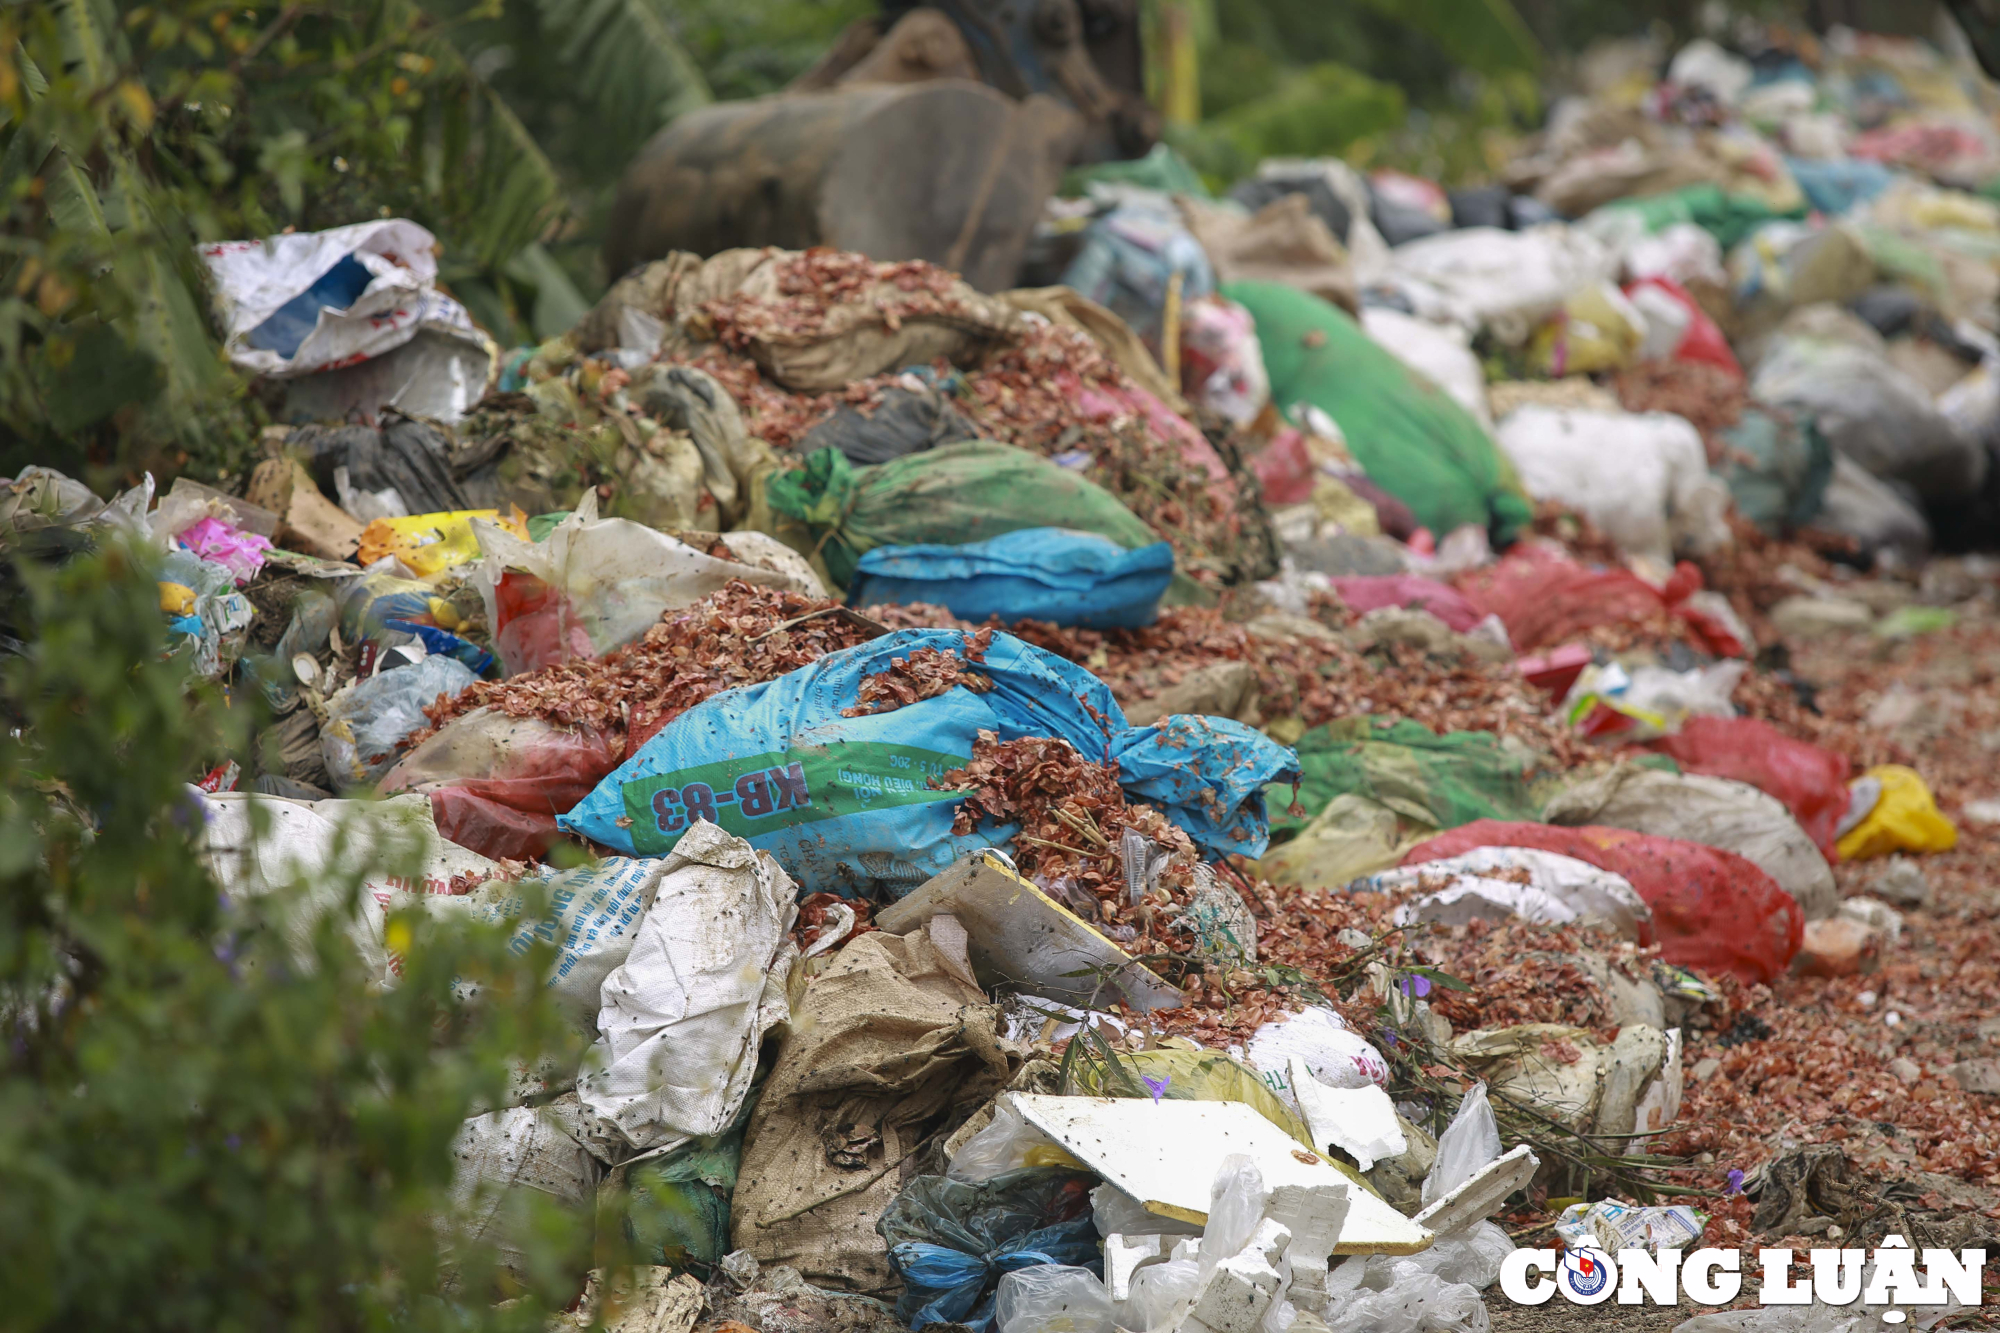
(1543, 598)
(240, 552)
(1285, 469)
(1368, 592)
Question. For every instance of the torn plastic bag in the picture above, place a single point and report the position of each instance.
(949, 495)
(1469, 1143)
(595, 584)
(1413, 1302)
(845, 800)
(951, 1241)
(403, 468)
(906, 421)
(497, 783)
(1066, 578)
(683, 1014)
(1130, 259)
(1475, 885)
(1222, 366)
(1716, 812)
(1053, 1298)
(1811, 782)
(1649, 701)
(677, 1210)
(367, 722)
(1713, 910)
(1334, 1053)
(430, 544)
(307, 301)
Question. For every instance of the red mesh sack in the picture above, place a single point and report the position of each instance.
(1370, 592)
(1810, 781)
(1713, 910)
(1544, 598)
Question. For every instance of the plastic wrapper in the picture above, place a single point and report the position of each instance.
(1222, 365)
(1116, 1213)
(1713, 910)
(241, 553)
(1237, 1199)
(1612, 1226)
(951, 1241)
(1007, 1144)
(365, 724)
(1484, 884)
(1649, 701)
(1052, 1298)
(1159, 1293)
(596, 584)
(430, 544)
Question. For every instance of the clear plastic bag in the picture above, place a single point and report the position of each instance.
(1470, 1257)
(1415, 1302)
(1117, 1213)
(1008, 1144)
(1053, 1298)
(1160, 1292)
(1235, 1207)
(364, 725)
(1469, 1142)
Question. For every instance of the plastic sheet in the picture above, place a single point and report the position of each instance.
(1713, 910)
(1545, 598)
(1052, 574)
(1469, 1143)
(1367, 592)
(1052, 1298)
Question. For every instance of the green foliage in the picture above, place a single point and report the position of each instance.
(209, 1118)
(1313, 112)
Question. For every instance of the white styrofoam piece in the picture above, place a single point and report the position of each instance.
(1126, 1255)
(1166, 1153)
(1478, 1197)
(1361, 1122)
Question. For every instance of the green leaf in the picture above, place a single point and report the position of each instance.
(103, 373)
(630, 68)
(1486, 35)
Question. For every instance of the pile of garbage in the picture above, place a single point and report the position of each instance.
(1173, 797)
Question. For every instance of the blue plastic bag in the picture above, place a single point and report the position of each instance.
(1053, 574)
(845, 803)
(951, 1241)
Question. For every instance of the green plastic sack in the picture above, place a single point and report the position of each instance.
(1410, 436)
(1163, 169)
(954, 494)
(1442, 781)
(1727, 217)
(677, 1209)
(1777, 467)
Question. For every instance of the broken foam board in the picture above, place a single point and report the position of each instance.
(1480, 1197)
(1166, 1154)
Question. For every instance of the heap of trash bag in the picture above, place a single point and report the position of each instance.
(949, 687)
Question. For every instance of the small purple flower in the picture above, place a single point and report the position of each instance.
(1156, 1086)
(234, 1141)
(1389, 1037)
(1416, 987)
(1735, 1181)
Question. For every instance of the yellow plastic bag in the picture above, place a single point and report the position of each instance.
(1905, 819)
(429, 544)
(1597, 329)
